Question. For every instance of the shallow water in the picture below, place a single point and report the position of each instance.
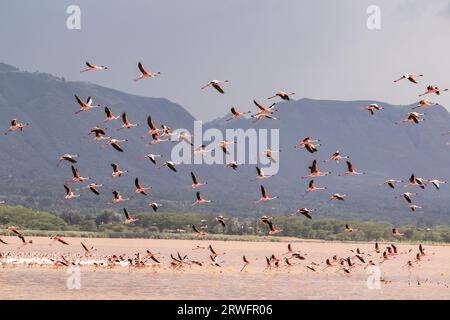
(427, 280)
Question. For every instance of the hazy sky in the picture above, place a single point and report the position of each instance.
(318, 49)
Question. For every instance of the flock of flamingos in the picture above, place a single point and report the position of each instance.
(164, 133)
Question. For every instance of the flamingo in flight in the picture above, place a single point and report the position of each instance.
(338, 196)
(195, 183)
(118, 197)
(336, 156)
(312, 187)
(91, 67)
(411, 77)
(305, 212)
(391, 182)
(115, 143)
(413, 117)
(436, 183)
(408, 196)
(372, 108)
(145, 73)
(308, 144)
(128, 218)
(265, 196)
(58, 239)
(152, 157)
(261, 175)
(396, 233)
(233, 165)
(93, 187)
(223, 146)
(69, 193)
(264, 109)
(268, 153)
(199, 199)
(314, 171)
(77, 177)
(413, 207)
(109, 115)
(85, 106)
(221, 220)
(413, 181)
(236, 114)
(126, 123)
(16, 126)
(140, 189)
(260, 116)
(272, 229)
(154, 206)
(351, 170)
(169, 164)
(424, 103)
(198, 232)
(116, 170)
(99, 134)
(69, 158)
(184, 136)
(347, 228)
(216, 85)
(433, 89)
(88, 251)
(246, 263)
(283, 95)
(153, 129)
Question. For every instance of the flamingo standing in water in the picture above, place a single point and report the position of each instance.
(145, 73)
(216, 85)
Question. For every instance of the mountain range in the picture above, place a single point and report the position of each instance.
(376, 145)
